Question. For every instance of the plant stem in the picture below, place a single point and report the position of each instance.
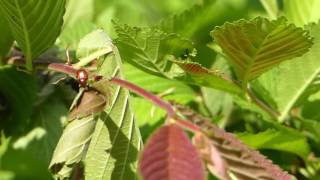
(140, 91)
(63, 68)
(188, 125)
(261, 104)
(158, 101)
(72, 71)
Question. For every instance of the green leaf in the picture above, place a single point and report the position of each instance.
(310, 110)
(277, 140)
(71, 35)
(151, 50)
(148, 48)
(6, 39)
(92, 46)
(201, 76)
(73, 143)
(271, 7)
(168, 89)
(302, 12)
(310, 128)
(198, 20)
(35, 25)
(78, 11)
(149, 116)
(18, 90)
(195, 22)
(288, 82)
(219, 103)
(29, 155)
(255, 46)
(4, 144)
(113, 150)
(6, 175)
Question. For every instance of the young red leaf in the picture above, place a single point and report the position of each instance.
(242, 161)
(211, 155)
(169, 154)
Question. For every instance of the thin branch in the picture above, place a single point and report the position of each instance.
(261, 104)
(72, 71)
(142, 92)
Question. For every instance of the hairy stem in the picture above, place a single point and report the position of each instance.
(187, 125)
(142, 92)
(72, 71)
(63, 68)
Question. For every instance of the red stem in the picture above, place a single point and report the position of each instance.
(187, 125)
(64, 68)
(140, 91)
(71, 71)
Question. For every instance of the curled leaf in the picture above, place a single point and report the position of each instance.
(73, 143)
(91, 102)
(211, 156)
(242, 162)
(199, 75)
(169, 154)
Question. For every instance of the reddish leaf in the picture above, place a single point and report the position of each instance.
(91, 102)
(210, 154)
(169, 154)
(195, 68)
(243, 162)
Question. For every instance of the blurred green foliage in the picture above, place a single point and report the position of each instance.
(32, 110)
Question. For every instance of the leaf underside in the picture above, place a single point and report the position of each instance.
(113, 150)
(146, 48)
(73, 143)
(169, 154)
(255, 46)
(302, 12)
(293, 80)
(199, 75)
(35, 25)
(243, 162)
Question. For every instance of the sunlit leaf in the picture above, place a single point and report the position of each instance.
(271, 6)
(169, 154)
(287, 83)
(92, 46)
(71, 35)
(277, 140)
(35, 25)
(302, 12)
(148, 48)
(255, 46)
(73, 143)
(78, 11)
(198, 75)
(113, 150)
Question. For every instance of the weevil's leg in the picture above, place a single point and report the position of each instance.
(59, 80)
(77, 98)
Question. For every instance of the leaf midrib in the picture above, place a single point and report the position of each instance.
(26, 35)
(293, 100)
(251, 64)
(145, 54)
